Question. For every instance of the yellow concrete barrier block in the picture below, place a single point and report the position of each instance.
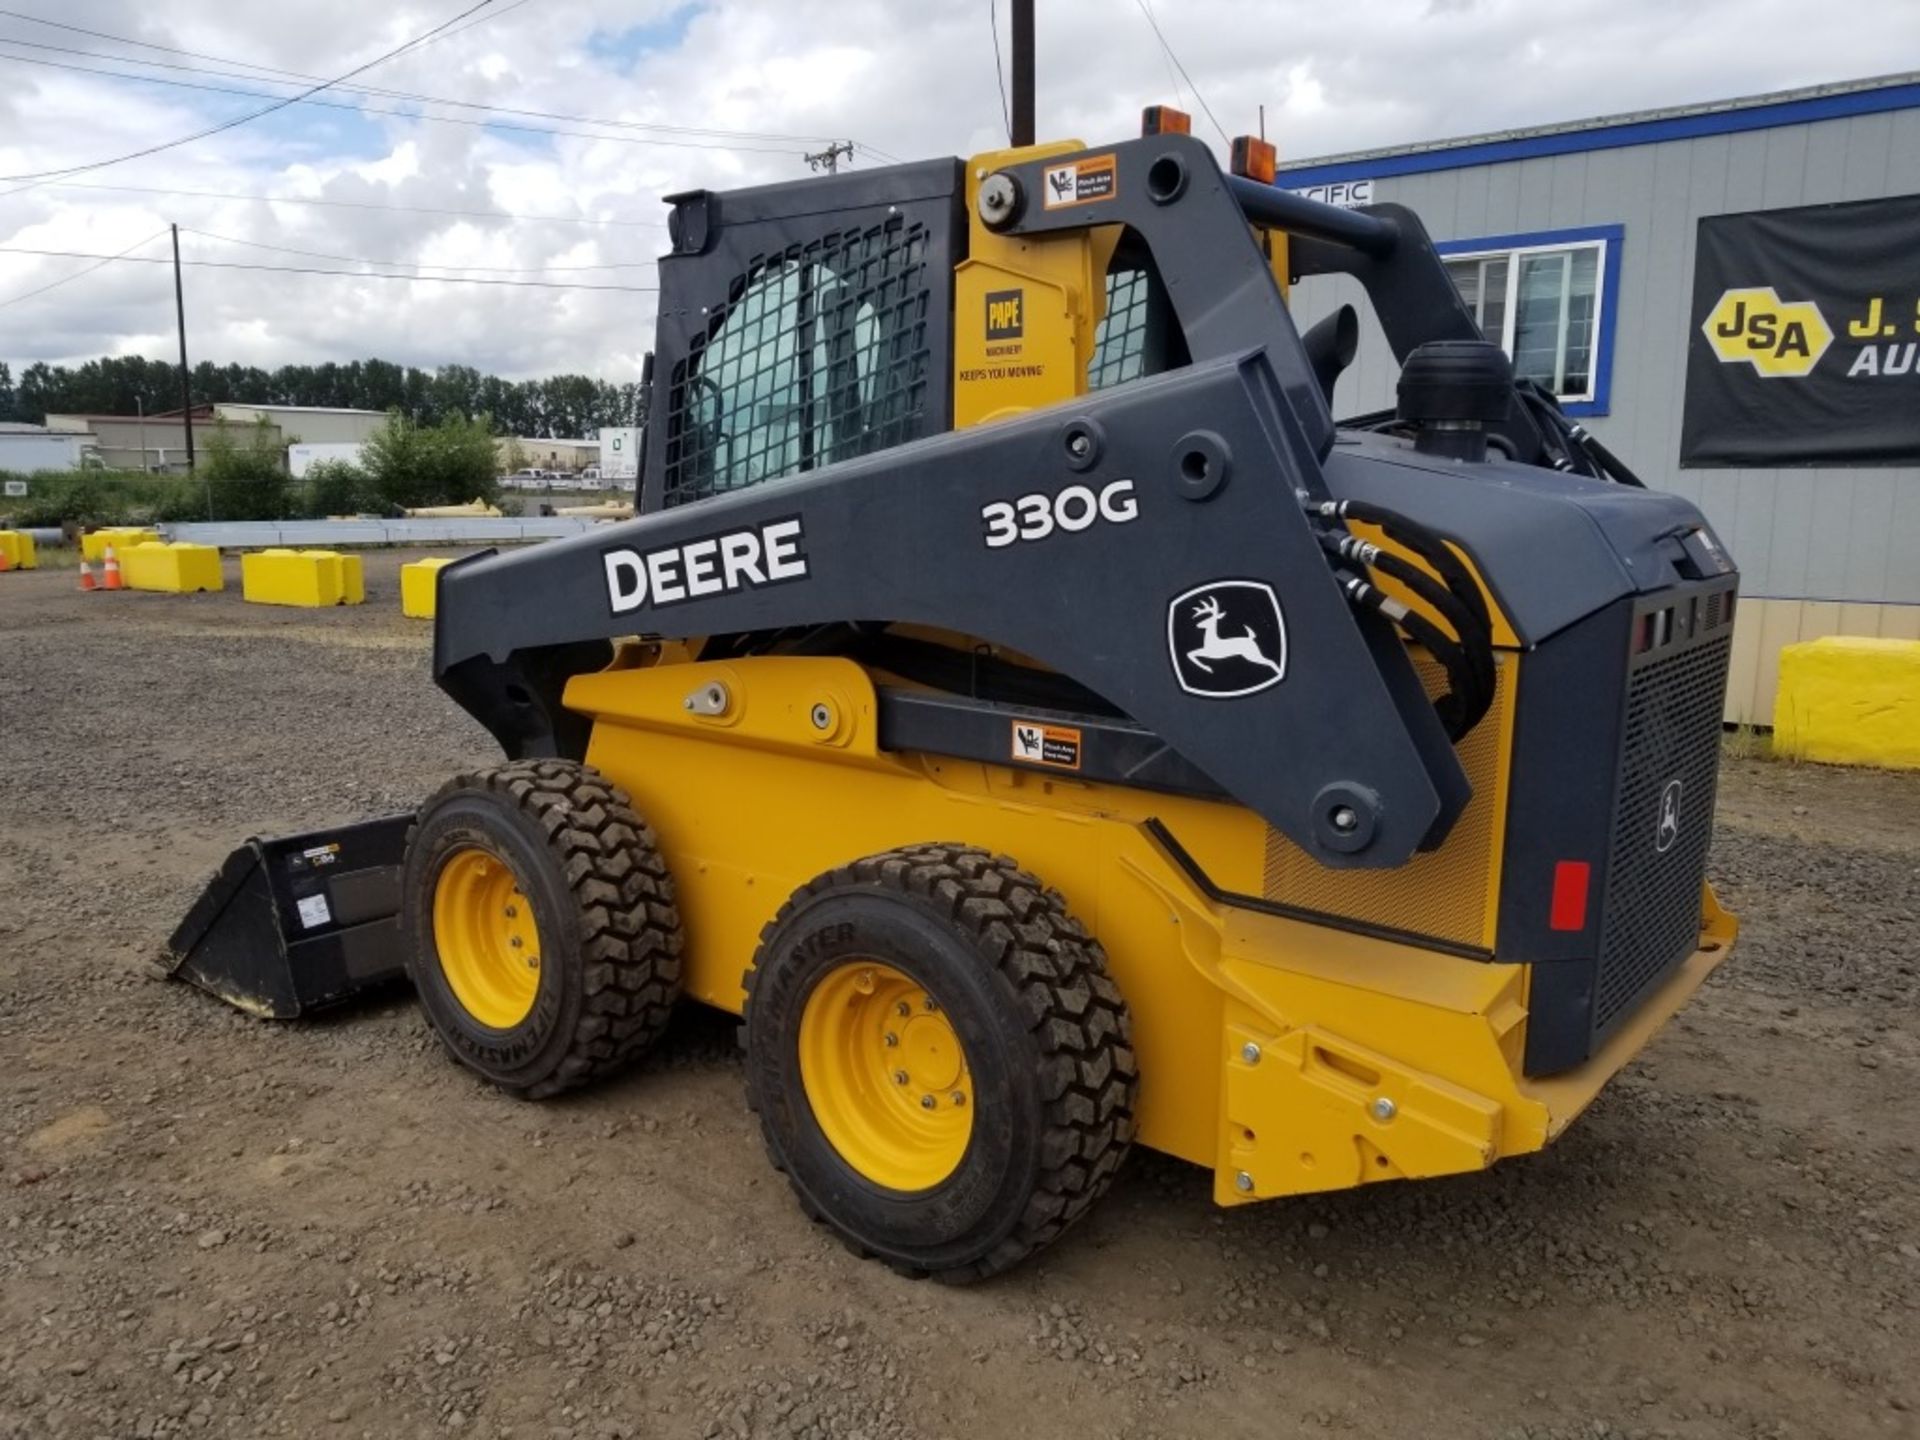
(420, 585)
(93, 545)
(177, 568)
(353, 580)
(1850, 700)
(17, 547)
(302, 577)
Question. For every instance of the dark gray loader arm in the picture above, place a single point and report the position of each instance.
(900, 536)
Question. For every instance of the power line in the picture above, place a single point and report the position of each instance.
(999, 68)
(1179, 94)
(238, 121)
(417, 264)
(360, 109)
(349, 274)
(1208, 109)
(516, 216)
(275, 76)
(86, 270)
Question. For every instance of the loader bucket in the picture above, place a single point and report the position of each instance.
(299, 923)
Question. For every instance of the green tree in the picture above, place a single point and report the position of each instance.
(242, 473)
(409, 464)
(334, 487)
(559, 405)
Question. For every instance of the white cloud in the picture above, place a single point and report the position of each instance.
(910, 78)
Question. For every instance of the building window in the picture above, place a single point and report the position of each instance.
(1548, 301)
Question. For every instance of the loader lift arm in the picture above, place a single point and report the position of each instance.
(1341, 751)
(897, 537)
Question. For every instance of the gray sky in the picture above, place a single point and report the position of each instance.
(911, 79)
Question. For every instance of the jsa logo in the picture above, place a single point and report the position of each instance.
(1780, 339)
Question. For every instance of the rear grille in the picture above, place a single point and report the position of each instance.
(1671, 748)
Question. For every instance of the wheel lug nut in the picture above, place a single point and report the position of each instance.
(927, 1102)
(959, 1097)
(514, 942)
(903, 1008)
(931, 1003)
(891, 1038)
(900, 1077)
(513, 912)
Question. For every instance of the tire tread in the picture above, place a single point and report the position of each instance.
(630, 940)
(1058, 973)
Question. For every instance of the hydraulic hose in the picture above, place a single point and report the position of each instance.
(1473, 636)
(1467, 655)
(1419, 539)
(1458, 715)
(1604, 457)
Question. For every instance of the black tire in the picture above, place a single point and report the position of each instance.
(603, 904)
(1045, 1033)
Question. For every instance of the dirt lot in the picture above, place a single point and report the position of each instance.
(214, 1225)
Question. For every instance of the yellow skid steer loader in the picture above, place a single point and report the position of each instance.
(1024, 705)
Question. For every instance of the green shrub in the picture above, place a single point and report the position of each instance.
(409, 465)
(242, 473)
(334, 487)
(99, 497)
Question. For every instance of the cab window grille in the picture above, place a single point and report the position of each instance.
(1120, 343)
(819, 354)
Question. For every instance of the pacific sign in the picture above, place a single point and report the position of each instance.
(1347, 194)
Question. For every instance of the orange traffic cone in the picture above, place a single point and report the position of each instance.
(87, 582)
(111, 569)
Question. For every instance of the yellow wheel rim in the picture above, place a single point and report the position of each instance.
(886, 1076)
(488, 944)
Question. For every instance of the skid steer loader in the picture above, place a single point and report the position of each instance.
(1024, 705)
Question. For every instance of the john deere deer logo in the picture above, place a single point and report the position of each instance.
(1666, 829)
(1227, 638)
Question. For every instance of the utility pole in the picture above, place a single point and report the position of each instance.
(186, 384)
(829, 158)
(1022, 73)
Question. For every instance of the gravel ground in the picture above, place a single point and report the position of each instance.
(214, 1225)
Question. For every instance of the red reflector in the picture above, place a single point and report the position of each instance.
(1570, 895)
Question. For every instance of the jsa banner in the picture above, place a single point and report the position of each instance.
(1806, 337)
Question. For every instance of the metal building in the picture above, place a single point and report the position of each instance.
(307, 424)
(1579, 247)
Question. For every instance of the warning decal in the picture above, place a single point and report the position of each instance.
(1037, 744)
(313, 911)
(1080, 182)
